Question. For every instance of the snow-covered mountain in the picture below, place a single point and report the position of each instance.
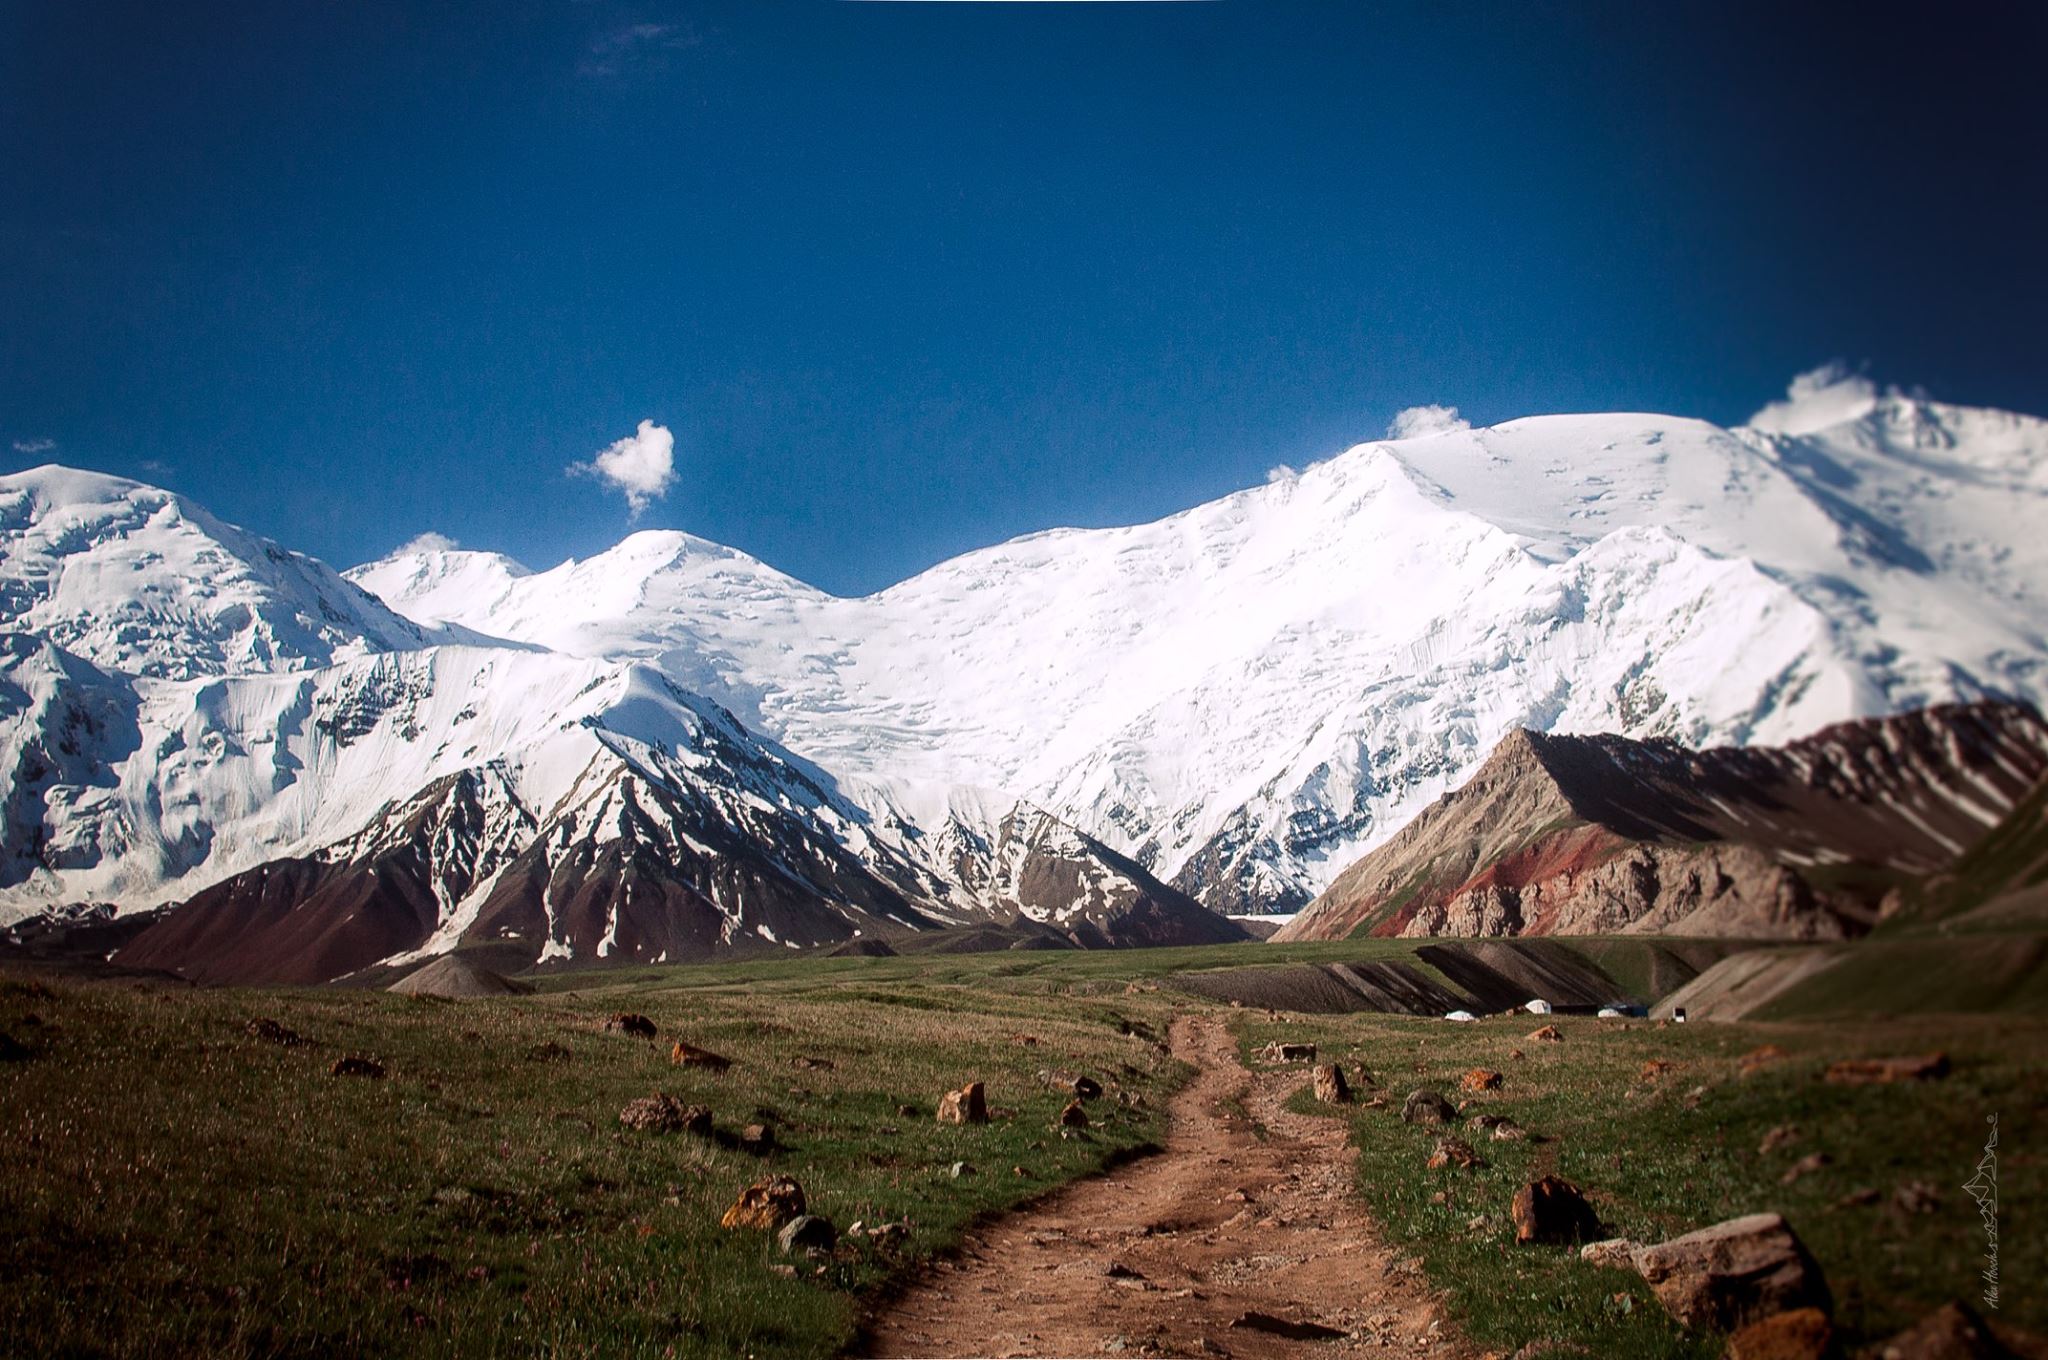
(671, 748)
(1247, 696)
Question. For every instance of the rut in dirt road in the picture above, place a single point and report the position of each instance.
(1226, 1243)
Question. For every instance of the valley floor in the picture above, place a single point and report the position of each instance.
(175, 1180)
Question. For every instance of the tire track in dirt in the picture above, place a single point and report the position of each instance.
(1167, 1256)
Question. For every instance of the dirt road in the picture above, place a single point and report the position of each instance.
(1242, 1231)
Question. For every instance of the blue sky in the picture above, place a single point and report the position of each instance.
(906, 279)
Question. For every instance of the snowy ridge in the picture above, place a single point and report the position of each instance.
(135, 579)
(1246, 696)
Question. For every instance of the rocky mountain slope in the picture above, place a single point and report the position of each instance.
(1584, 835)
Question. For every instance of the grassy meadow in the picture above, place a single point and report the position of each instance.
(171, 1183)
(1661, 1155)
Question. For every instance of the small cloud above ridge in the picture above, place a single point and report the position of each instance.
(1831, 394)
(428, 542)
(34, 446)
(1416, 421)
(641, 467)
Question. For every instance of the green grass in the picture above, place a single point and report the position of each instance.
(169, 1184)
(1987, 974)
(1657, 1161)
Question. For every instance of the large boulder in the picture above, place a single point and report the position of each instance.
(1481, 1079)
(663, 1113)
(1331, 1088)
(968, 1105)
(766, 1205)
(627, 1022)
(1552, 1210)
(1428, 1107)
(1734, 1273)
(807, 1232)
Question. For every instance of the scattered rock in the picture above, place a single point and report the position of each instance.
(968, 1105)
(908, 1112)
(1655, 1068)
(1553, 1210)
(1866, 1071)
(1280, 1326)
(271, 1032)
(687, 1054)
(962, 1170)
(1330, 1086)
(1516, 1054)
(1782, 1136)
(1427, 1107)
(1365, 1076)
(1501, 1128)
(1073, 1116)
(1453, 1152)
(1757, 1059)
(1549, 1034)
(1288, 1053)
(757, 1139)
(807, 1232)
(1734, 1273)
(1805, 1166)
(813, 1064)
(1612, 1253)
(1119, 1271)
(1801, 1334)
(663, 1113)
(1951, 1332)
(766, 1205)
(626, 1022)
(1481, 1079)
(1860, 1198)
(357, 1067)
(548, 1051)
(1916, 1197)
(1550, 1350)
(1029, 1040)
(1087, 1088)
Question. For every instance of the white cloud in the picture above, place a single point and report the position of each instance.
(34, 445)
(1421, 420)
(642, 466)
(427, 542)
(1828, 395)
(1281, 472)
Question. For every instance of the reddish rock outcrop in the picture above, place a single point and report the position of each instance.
(1566, 835)
(1734, 1273)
